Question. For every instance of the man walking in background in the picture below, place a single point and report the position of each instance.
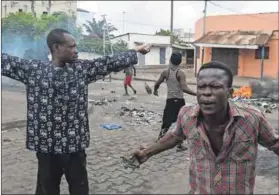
(176, 84)
(129, 71)
(57, 101)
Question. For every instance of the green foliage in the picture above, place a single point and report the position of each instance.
(163, 32)
(95, 45)
(27, 32)
(97, 28)
(25, 35)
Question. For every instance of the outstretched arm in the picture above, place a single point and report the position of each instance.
(16, 68)
(170, 140)
(183, 84)
(159, 82)
(100, 67)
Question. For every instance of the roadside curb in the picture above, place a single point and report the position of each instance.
(22, 123)
(13, 124)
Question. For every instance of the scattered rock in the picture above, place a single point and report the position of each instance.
(265, 105)
(102, 101)
(142, 116)
(7, 140)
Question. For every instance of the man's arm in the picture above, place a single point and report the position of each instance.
(170, 140)
(183, 84)
(15, 67)
(267, 136)
(159, 82)
(100, 67)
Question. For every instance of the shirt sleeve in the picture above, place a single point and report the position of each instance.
(15, 67)
(177, 130)
(98, 68)
(267, 136)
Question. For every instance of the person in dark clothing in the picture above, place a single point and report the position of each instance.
(176, 83)
(57, 103)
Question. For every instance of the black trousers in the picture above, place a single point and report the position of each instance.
(51, 168)
(171, 111)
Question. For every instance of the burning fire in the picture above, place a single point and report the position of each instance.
(244, 92)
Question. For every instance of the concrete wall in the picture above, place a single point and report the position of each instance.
(248, 65)
(84, 56)
(153, 57)
(88, 56)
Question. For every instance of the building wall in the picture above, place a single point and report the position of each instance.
(39, 7)
(248, 65)
(88, 56)
(153, 57)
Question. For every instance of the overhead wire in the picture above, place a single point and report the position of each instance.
(231, 10)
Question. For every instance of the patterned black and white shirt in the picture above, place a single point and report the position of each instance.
(57, 98)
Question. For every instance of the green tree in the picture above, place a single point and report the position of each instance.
(23, 31)
(163, 32)
(95, 45)
(96, 28)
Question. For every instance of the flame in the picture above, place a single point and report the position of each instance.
(244, 92)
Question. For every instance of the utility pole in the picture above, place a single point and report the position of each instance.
(171, 26)
(204, 28)
(104, 34)
(124, 25)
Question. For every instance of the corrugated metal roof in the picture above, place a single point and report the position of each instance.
(183, 46)
(235, 38)
(153, 44)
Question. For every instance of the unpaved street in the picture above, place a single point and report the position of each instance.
(165, 173)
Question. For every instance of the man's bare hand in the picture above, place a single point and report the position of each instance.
(140, 154)
(143, 49)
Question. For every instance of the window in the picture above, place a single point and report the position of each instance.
(258, 53)
(19, 10)
(44, 13)
(197, 52)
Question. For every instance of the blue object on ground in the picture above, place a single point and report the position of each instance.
(110, 126)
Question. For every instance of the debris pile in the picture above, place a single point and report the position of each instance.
(261, 93)
(102, 101)
(265, 105)
(265, 88)
(142, 116)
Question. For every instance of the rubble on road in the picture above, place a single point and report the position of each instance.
(102, 101)
(141, 116)
(265, 105)
(261, 93)
(265, 88)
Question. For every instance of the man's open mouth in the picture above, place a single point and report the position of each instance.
(208, 103)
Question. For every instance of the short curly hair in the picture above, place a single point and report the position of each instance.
(56, 36)
(221, 66)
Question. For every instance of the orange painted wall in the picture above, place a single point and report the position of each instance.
(248, 65)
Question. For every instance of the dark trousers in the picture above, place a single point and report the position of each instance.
(171, 111)
(51, 168)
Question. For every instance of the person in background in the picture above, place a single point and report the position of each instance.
(223, 136)
(176, 85)
(129, 72)
(57, 103)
